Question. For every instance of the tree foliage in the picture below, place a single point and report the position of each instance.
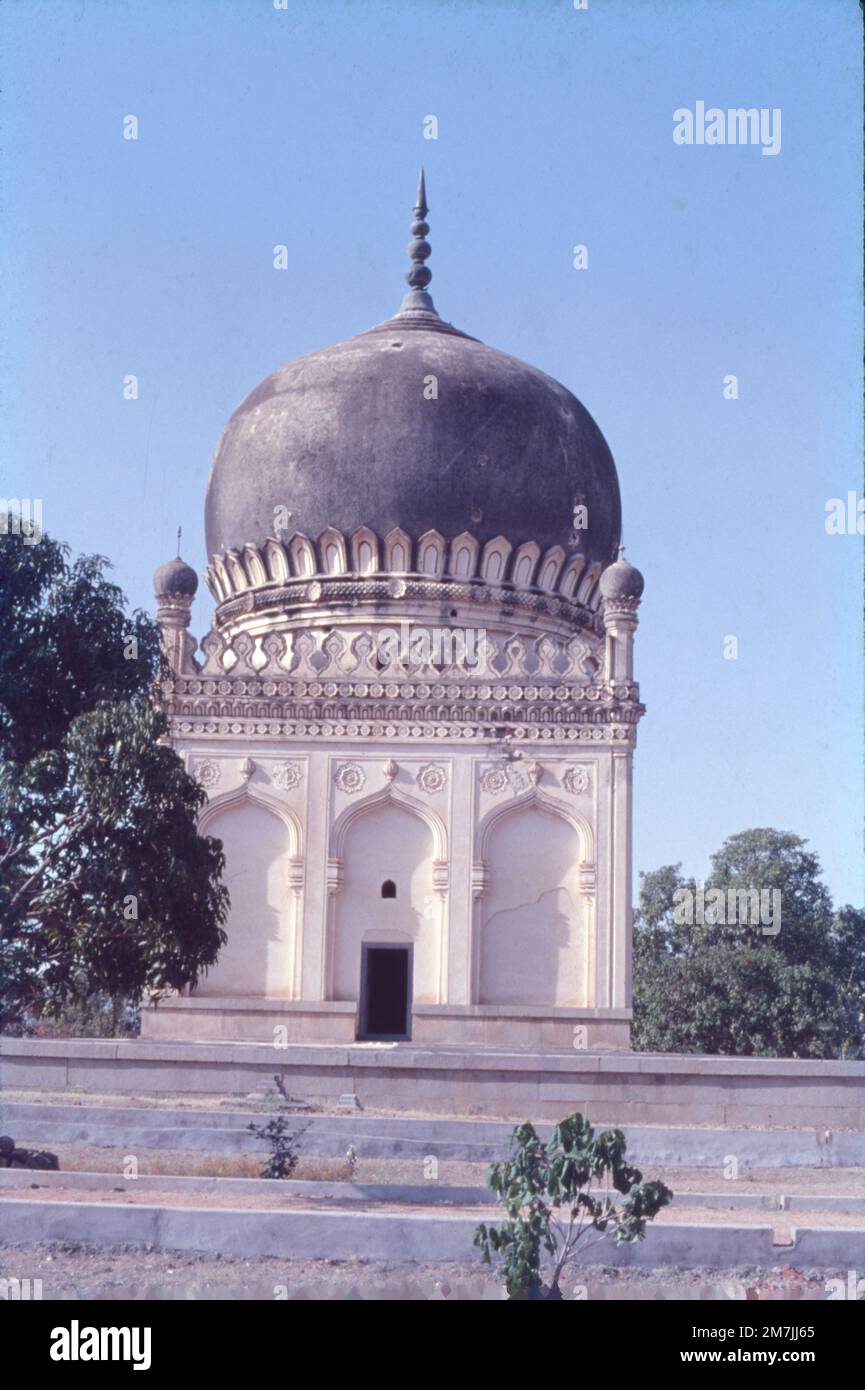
(68, 644)
(558, 1202)
(726, 986)
(105, 884)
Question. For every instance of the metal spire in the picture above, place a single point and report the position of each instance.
(419, 275)
(179, 534)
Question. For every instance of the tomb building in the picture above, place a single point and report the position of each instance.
(415, 712)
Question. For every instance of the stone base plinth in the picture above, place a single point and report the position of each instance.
(502, 1083)
(222, 1018)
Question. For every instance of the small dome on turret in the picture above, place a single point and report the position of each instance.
(175, 579)
(621, 580)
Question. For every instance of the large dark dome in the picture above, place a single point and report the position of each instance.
(349, 436)
(344, 437)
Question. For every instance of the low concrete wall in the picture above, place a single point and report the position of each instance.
(427, 1194)
(622, 1087)
(132, 1128)
(346, 1235)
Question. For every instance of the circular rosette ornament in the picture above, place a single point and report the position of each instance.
(350, 778)
(577, 780)
(432, 779)
(494, 780)
(287, 776)
(206, 773)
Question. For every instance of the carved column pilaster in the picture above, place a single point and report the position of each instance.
(479, 884)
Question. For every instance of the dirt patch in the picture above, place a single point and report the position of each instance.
(278, 1200)
(90, 1158)
(78, 1272)
(773, 1182)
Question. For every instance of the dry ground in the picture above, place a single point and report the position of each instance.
(76, 1272)
(92, 1158)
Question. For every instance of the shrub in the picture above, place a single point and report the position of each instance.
(546, 1190)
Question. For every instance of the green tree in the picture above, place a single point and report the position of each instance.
(105, 884)
(794, 987)
(67, 644)
(558, 1201)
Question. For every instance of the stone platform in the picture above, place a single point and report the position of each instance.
(621, 1088)
(241, 1018)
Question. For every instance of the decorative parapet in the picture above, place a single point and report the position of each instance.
(386, 654)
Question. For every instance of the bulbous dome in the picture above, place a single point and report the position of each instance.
(621, 580)
(414, 425)
(175, 578)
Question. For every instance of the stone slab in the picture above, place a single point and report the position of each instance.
(377, 1236)
(624, 1088)
(130, 1128)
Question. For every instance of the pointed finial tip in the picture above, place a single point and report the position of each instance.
(421, 204)
(419, 274)
(179, 534)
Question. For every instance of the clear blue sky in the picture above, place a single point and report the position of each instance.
(305, 126)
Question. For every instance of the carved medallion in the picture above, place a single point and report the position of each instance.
(577, 780)
(432, 779)
(286, 776)
(494, 780)
(206, 772)
(350, 778)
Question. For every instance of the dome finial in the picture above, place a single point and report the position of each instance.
(418, 274)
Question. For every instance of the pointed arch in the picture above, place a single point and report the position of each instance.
(389, 795)
(265, 878)
(534, 796)
(249, 791)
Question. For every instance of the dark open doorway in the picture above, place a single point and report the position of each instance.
(385, 992)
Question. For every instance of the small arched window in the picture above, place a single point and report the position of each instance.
(388, 888)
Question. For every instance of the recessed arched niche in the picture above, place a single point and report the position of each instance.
(257, 959)
(386, 834)
(534, 946)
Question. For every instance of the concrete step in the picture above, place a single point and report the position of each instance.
(224, 1131)
(437, 1237)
